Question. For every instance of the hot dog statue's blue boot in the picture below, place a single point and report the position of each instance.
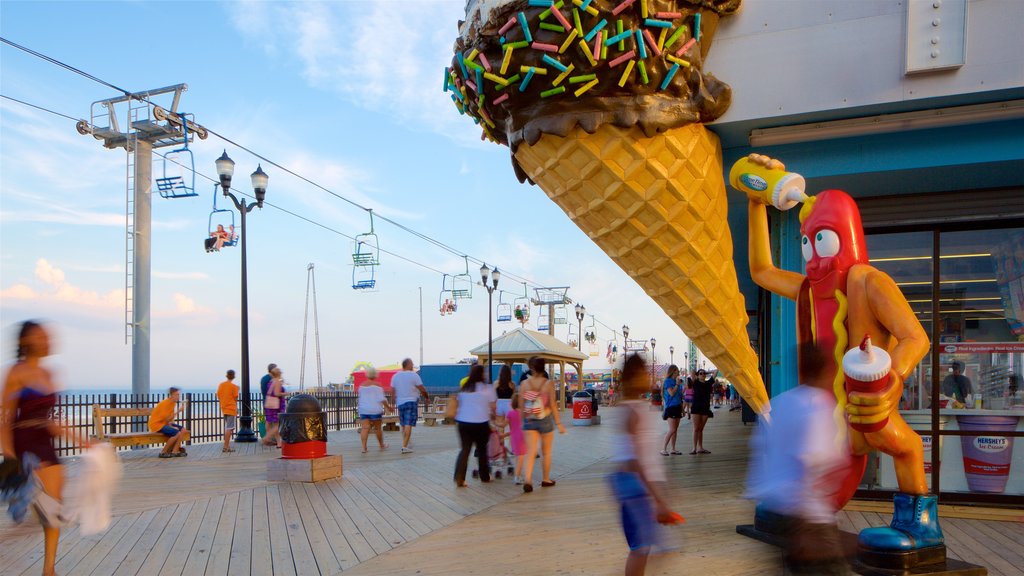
(914, 537)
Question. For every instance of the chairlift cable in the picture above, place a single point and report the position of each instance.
(506, 273)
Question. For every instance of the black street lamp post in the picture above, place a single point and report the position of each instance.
(226, 169)
(490, 287)
(581, 313)
(653, 343)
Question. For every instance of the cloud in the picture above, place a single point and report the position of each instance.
(382, 56)
(58, 290)
(39, 210)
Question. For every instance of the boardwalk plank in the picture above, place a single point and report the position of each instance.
(315, 535)
(344, 555)
(280, 548)
(354, 536)
(154, 557)
(220, 552)
(199, 554)
(260, 547)
(136, 557)
(113, 559)
(178, 554)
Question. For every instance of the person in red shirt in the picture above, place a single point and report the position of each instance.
(227, 393)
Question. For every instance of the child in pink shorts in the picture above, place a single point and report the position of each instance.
(515, 435)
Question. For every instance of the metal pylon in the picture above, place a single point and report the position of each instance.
(310, 289)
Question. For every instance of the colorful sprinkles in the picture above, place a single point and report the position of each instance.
(629, 38)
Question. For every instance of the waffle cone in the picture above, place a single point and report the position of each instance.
(657, 206)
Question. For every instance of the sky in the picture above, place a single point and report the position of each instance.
(346, 94)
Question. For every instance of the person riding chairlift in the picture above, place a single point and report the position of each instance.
(218, 237)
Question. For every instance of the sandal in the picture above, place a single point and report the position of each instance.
(165, 455)
(664, 453)
(676, 453)
(226, 450)
(693, 452)
(547, 483)
(527, 487)
(705, 452)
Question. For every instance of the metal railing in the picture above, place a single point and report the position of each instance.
(202, 416)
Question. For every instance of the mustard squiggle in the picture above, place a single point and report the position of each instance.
(838, 383)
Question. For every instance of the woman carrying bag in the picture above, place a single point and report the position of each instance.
(473, 409)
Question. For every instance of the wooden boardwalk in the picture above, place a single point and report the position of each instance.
(214, 513)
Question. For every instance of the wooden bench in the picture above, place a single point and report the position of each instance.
(431, 416)
(146, 438)
(390, 423)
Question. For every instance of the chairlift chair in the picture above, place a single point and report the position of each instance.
(561, 315)
(220, 217)
(446, 300)
(521, 307)
(179, 170)
(504, 313)
(573, 337)
(543, 320)
(462, 284)
(363, 278)
(366, 248)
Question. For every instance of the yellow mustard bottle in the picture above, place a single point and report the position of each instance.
(769, 184)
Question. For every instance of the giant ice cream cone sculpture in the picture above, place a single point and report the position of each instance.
(601, 102)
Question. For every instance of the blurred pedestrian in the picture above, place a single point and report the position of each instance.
(517, 441)
(371, 404)
(798, 460)
(475, 406)
(27, 428)
(541, 415)
(273, 403)
(408, 388)
(638, 482)
(701, 410)
(673, 411)
(227, 394)
(688, 397)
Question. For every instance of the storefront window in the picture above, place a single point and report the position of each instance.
(980, 351)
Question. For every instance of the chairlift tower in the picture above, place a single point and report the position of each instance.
(310, 289)
(138, 125)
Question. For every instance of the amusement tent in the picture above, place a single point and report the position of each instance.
(521, 344)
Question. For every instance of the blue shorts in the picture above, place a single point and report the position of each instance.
(637, 513)
(545, 425)
(408, 413)
(171, 430)
(370, 416)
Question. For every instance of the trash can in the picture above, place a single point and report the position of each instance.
(303, 428)
(582, 408)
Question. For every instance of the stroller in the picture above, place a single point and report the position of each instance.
(498, 453)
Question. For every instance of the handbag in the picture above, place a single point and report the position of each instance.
(272, 402)
(451, 407)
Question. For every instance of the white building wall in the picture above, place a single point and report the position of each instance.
(787, 57)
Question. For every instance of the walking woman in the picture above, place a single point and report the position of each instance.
(504, 390)
(371, 405)
(701, 410)
(27, 426)
(272, 405)
(540, 412)
(475, 408)
(673, 408)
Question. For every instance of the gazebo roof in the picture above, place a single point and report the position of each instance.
(521, 344)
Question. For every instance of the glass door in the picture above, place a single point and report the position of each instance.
(981, 361)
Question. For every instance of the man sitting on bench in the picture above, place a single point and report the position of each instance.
(161, 420)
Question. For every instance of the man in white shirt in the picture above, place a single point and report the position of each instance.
(797, 460)
(408, 389)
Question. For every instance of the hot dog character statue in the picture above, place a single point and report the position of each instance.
(841, 303)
